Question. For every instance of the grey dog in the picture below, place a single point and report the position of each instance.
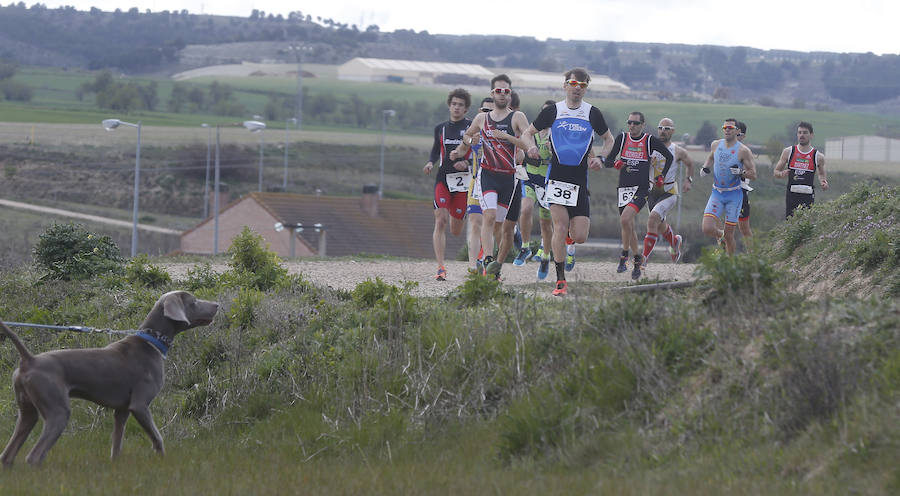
(125, 376)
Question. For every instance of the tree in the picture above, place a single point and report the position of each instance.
(706, 134)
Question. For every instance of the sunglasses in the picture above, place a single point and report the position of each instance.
(727, 127)
(574, 82)
(634, 123)
(740, 134)
(665, 128)
(485, 109)
(502, 91)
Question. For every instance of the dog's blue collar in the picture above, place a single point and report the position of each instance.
(156, 342)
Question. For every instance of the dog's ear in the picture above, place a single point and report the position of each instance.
(173, 308)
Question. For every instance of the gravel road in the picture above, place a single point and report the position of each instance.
(346, 274)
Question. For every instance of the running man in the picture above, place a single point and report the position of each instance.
(453, 176)
(536, 168)
(802, 161)
(473, 204)
(631, 156)
(731, 163)
(572, 123)
(661, 199)
(744, 217)
(498, 167)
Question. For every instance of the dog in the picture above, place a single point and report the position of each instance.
(125, 376)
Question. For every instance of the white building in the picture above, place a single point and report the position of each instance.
(863, 148)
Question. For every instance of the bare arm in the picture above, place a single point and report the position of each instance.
(746, 157)
(682, 155)
(608, 141)
(710, 159)
(780, 170)
(820, 167)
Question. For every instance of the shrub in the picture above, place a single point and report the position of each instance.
(724, 275)
(141, 271)
(201, 277)
(69, 252)
(877, 250)
(477, 290)
(798, 231)
(252, 263)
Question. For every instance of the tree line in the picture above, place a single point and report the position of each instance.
(138, 42)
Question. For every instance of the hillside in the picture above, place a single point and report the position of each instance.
(745, 384)
(171, 42)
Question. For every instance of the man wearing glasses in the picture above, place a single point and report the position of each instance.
(572, 123)
(631, 156)
(497, 129)
(744, 216)
(453, 176)
(802, 162)
(661, 199)
(473, 204)
(731, 163)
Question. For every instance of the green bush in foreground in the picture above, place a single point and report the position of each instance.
(69, 252)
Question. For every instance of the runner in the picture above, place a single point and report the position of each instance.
(802, 161)
(744, 217)
(661, 199)
(631, 156)
(453, 176)
(497, 173)
(572, 123)
(534, 190)
(473, 204)
(731, 162)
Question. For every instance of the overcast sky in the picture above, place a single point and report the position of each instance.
(827, 25)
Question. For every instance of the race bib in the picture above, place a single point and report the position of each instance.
(521, 173)
(802, 188)
(458, 181)
(475, 194)
(626, 195)
(541, 195)
(562, 193)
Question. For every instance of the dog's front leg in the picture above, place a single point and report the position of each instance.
(143, 416)
(119, 431)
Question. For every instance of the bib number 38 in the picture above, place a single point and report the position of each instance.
(562, 193)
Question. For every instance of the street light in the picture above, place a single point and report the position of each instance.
(257, 127)
(206, 187)
(299, 50)
(384, 117)
(286, 136)
(109, 125)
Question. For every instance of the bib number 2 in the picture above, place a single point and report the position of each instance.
(458, 181)
(562, 193)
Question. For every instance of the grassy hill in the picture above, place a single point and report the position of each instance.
(757, 380)
(55, 100)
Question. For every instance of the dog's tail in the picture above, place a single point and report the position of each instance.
(25, 355)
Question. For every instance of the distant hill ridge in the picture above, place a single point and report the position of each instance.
(169, 42)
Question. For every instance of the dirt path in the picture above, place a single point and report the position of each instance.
(346, 274)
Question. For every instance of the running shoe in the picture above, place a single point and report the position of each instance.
(441, 274)
(570, 257)
(487, 261)
(623, 266)
(539, 255)
(636, 272)
(517, 238)
(493, 269)
(676, 252)
(522, 256)
(562, 288)
(543, 270)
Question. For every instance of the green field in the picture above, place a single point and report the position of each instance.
(55, 102)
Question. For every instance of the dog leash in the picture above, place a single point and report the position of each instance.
(83, 329)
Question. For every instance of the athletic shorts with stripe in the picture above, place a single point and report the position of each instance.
(531, 194)
(745, 206)
(454, 202)
(727, 203)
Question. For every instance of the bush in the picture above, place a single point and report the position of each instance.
(253, 264)
(724, 275)
(477, 290)
(69, 252)
(201, 277)
(141, 271)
